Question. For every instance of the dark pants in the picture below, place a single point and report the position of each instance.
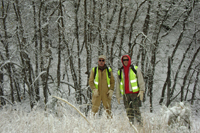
(132, 104)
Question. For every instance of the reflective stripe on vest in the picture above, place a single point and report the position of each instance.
(96, 78)
(133, 81)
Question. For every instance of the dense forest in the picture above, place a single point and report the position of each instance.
(48, 47)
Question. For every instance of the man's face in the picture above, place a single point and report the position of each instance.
(101, 62)
(125, 60)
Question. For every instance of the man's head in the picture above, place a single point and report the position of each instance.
(126, 60)
(102, 60)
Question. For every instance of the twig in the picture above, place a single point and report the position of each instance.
(133, 127)
(6, 100)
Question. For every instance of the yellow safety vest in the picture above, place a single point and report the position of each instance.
(133, 81)
(96, 78)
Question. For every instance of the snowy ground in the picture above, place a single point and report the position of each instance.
(16, 119)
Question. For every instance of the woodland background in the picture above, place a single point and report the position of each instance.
(48, 47)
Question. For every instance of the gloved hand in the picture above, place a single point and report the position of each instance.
(96, 92)
(140, 94)
(118, 100)
(110, 93)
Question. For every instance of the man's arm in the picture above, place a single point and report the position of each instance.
(141, 82)
(91, 80)
(112, 81)
(118, 94)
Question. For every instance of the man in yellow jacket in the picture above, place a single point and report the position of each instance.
(131, 86)
(102, 83)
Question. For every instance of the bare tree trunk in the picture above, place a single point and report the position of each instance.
(153, 62)
(89, 37)
(37, 91)
(2, 102)
(45, 61)
(195, 87)
(115, 34)
(77, 5)
(45, 83)
(16, 84)
(122, 37)
(187, 73)
(108, 24)
(169, 81)
(190, 80)
(144, 52)
(101, 46)
(41, 48)
(66, 69)
(59, 45)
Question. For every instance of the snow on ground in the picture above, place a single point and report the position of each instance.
(15, 119)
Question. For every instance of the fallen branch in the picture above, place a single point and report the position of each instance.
(74, 108)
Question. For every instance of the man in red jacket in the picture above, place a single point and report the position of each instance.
(130, 84)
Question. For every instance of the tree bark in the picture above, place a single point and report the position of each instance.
(101, 46)
(168, 81)
(122, 37)
(2, 102)
(195, 87)
(36, 84)
(115, 35)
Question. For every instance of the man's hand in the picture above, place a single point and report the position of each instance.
(140, 94)
(118, 99)
(96, 92)
(110, 93)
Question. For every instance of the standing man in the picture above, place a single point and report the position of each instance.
(102, 83)
(131, 85)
